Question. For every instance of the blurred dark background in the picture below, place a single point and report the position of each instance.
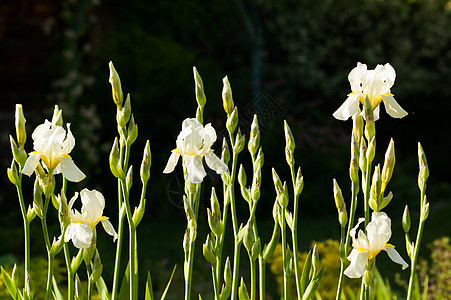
(284, 59)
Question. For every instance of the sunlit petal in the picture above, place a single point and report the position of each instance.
(393, 108)
(109, 229)
(359, 259)
(31, 163)
(70, 171)
(395, 257)
(214, 163)
(349, 108)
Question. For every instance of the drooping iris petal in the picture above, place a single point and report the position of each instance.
(395, 257)
(214, 163)
(349, 108)
(31, 163)
(172, 162)
(69, 170)
(393, 108)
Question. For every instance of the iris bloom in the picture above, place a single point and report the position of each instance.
(367, 247)
(80, 229)
(193, 143)
(374, 84)
(52, 145)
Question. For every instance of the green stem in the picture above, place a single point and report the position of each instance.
(414, 259)
(342, 263)
(220, 240)
(253, 265)
(120, 238)
(237, 247)
(70, 274)
(294, 233)
(236, 264)
(355, 191)
(26, 226)
(89, 272)
(367, 193)
(215, 283)
(286, 278)
(49, 276)
(261, 277)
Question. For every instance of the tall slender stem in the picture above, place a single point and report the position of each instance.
(343, 246)
(253, 265)
(237, 247)
(26, 227)
(294, 233)
(49, 276)
(286, 282)
(261, 277)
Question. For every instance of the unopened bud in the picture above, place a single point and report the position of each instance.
(424, 169)
(299, 186)
(116, 87)
(57, 246)
(132, 131)
(370, 128)
(199, 88)
(144, 171)
(232, 120)
(338, 196)
(227, 271)
(283, 200)
(362, 156)
(277, 182)
(186, 241)
(406, 220)
(342, 217)
(19, 154)
(214, 203)
(114, 160)
(371, 152)
(357, 127)
(242, 291)
(242, 178)
(376, 186)
(315, 259)
(225, 155)
(254, 137)
(389, 164)
(13, 174)
(139, 212)
(20, 121)
(207, 251)
(227, 99)
(129, 179)
(368, 278)
(239, 142)
(424, 211)
(289, 139)
(256, 183)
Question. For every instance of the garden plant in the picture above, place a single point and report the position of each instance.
(49, 163)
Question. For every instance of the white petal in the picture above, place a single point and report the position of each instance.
(70, 171)
(355, 77)
(80, 234)
(376, 112)
(349, 108)
(214, 163)
(359, 259)
(109, 229)
(209, 137)
(69, 142)
(93, 205)
(31, 163)
(41, 131)
(393, 108)
(195, 169)
(172, 162)
(395, 257)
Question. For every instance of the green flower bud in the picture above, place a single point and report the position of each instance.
(132, 131)
(260, 160)
(242, 291)
(19, 154)
(76, 261)
(389, 165)
(239, 142)
(368, 278)
(225, 155)
(199, 88)
(208, 252)
(31, 214)
(144, 171)
(406, 220)
(424, 169)
(254, 137)
(357, 127)
(277, 182)
(186, 242)
(268, 249)
(283, 200)
(362, 156)
(249, 237)
(256, 249)
(289, 219)
(256, 184)
(371, 150)
(242, 178)
(342, 217)
(299, 186)
(114, 161)
(338, 196)
(116, 87)
(57, 246)
(289, 139)
(376, 187)
(129, 179)
(227, 272)
(37, 199)
(48, 186)
(385, 201)
(214, 203)
(227, 99)
(97, 268)
(370, 128)
(13, 174)
(424, 211)
(20, 121)
(57, 118)
(232, 121)
(139, 212)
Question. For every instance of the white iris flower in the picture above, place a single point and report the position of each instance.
(193, 143)
(367, 247)
(374, 84)
(52, 145)
(80, 229)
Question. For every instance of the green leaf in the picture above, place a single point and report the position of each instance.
(169, 283)
(102, 289)
(313, 285)
(56, 292)
(10, 285)
(305, 276)
(124, 292)
(149, 289)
